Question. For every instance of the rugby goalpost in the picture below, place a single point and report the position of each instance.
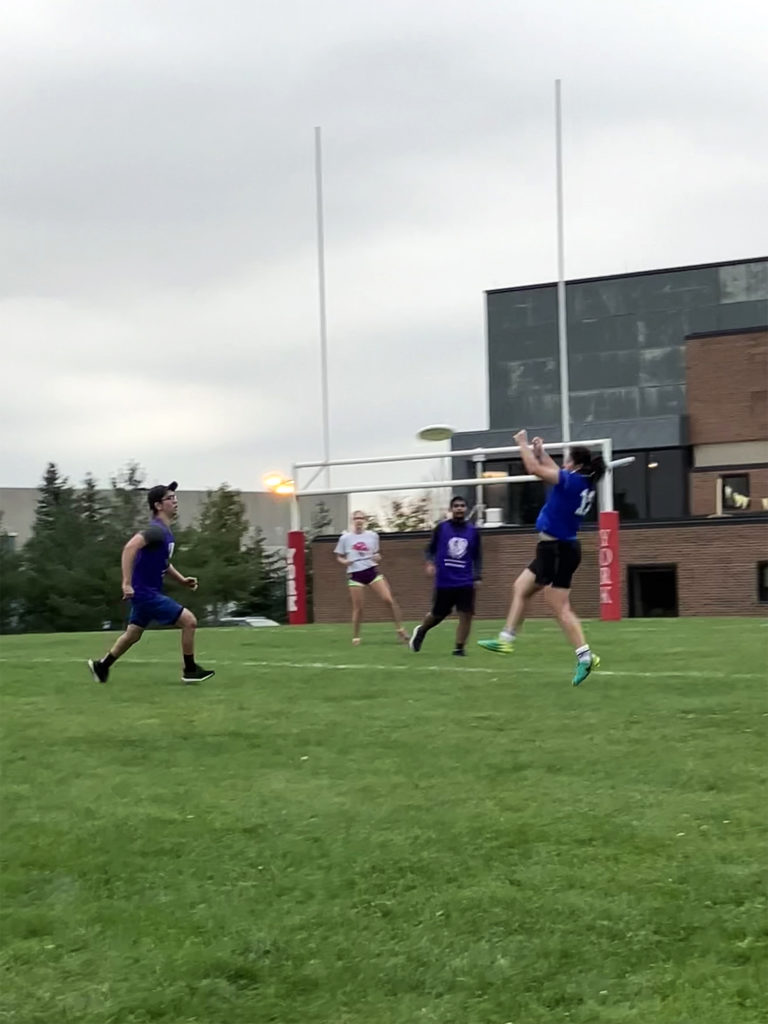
(608, 519)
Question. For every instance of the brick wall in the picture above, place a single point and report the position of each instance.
(727, 387)
(702, 493)
(716, 570)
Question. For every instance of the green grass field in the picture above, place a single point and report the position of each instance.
(367, 836)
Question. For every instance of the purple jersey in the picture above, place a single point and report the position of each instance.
(152, 560)
(566, 505)
(456, 552)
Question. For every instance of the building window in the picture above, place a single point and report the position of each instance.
(762, 582)
(667, 483)
(525, 499)
(8, 542)
(652, 591)
(735, 490)
(630, 493)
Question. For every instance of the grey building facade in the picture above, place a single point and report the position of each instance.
(627, 367)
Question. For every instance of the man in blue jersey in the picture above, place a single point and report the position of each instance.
(146, 559)
(454, 558)
(558, 552)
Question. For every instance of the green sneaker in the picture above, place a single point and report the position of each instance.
(497, 646)
(583, 668)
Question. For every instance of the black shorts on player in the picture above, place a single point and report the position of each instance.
(555, 563)
(445, 599)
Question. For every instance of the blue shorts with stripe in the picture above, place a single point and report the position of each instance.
(159, 608)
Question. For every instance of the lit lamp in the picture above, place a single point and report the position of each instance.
(276, 483)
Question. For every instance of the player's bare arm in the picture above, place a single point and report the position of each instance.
(549, 474)
(130, 550)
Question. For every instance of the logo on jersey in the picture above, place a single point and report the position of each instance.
(360, 545)
(457, 547)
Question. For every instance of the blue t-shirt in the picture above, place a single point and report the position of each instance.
(456, 552)
(566, 505)
(152, 560)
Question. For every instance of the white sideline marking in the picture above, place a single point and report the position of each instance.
(412, 667)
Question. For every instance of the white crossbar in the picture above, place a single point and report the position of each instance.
(468, 453)
(422, 486)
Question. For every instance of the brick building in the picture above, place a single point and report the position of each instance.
(673, 366)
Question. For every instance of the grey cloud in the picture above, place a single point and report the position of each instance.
(157, 206)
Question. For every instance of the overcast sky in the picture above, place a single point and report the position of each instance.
(158, 282)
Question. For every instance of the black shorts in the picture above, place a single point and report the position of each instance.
(555, 563)
(447, 598)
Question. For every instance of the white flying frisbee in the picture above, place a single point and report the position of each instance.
(436, 432)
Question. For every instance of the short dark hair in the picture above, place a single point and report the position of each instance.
(456, 498)
(158, 492)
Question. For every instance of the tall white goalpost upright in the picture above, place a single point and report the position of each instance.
(562, 311)
(326, 416)
(608, 518)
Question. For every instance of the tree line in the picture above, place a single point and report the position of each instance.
(67, 576)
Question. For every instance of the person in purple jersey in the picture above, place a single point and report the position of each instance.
(455, 559)
(558, 552)
(146, 559)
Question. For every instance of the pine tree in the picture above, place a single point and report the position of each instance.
(128, 510)
(215, 551)
(57, 588)
(266, 593)
(100, 554)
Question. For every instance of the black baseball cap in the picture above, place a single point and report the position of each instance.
(158, 492)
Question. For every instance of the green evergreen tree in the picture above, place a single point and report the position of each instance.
(128, 509)
(57, 588)
(100, 555)
(216, 552)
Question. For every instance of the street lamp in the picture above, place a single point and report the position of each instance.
(277, 483)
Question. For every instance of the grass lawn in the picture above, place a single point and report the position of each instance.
(330, 835)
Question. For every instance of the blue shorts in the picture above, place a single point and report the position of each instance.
(159, 608)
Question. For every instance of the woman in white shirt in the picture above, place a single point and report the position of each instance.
(358, 551)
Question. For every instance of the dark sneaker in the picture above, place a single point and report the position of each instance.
(459, 652)
(99, 672)
(417, 639)
(197, 675)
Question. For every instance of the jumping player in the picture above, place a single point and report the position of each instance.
(358, 551)
(145, 560)
(558, 552)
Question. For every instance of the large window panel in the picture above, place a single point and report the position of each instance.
(630, 496)
(667, 483)
(525, 499)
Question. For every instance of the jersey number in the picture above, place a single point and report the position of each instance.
(587, 497)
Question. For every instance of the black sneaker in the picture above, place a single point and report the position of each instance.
(99, 672)
(459, 652)
(417, 639)
(197, 674)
